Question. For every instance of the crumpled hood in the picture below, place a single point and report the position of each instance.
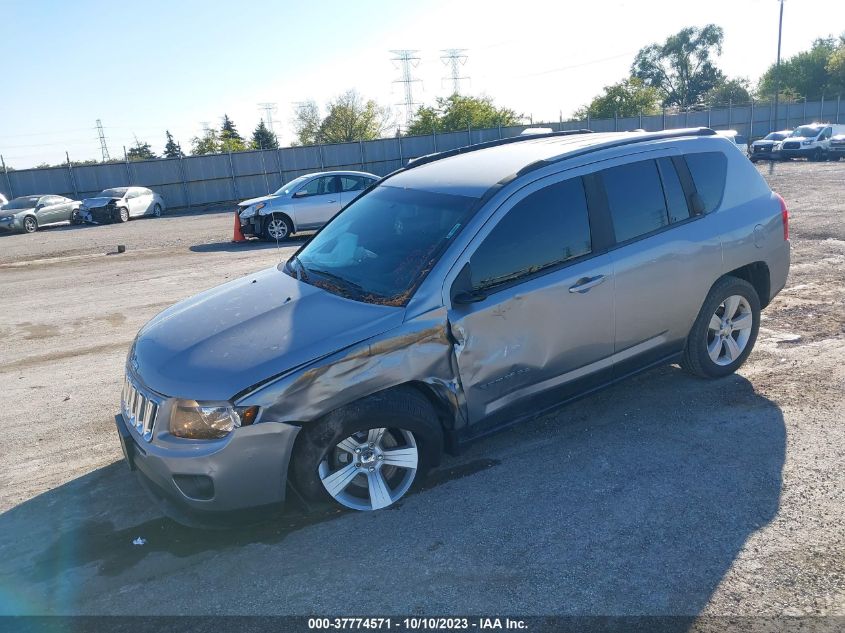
(5, 213)
(252, 201)
(235, 336)
(93, 203)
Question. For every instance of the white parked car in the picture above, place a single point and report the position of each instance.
(739, 140)
(303, 204)
(121, 203)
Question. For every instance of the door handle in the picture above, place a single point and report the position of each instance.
(585, 283)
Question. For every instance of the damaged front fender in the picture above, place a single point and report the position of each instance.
(419, 351)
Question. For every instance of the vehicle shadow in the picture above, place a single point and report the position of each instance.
(634, 501)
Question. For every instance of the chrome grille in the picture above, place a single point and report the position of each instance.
(139, 409)
(791, 145)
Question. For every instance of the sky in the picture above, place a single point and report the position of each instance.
(144, 67)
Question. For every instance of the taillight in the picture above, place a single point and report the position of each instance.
(784, 216)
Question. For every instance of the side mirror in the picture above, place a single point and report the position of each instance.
(39, 206)
(463, 298)
(300, 194)
(462, 292)
(696, 203)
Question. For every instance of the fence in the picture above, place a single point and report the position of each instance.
(202, 180)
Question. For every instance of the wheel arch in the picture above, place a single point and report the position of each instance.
(758, 275)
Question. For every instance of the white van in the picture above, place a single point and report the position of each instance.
(810, 141)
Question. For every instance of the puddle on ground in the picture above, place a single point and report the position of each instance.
(98, 541)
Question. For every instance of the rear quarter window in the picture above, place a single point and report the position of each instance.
(708, 171)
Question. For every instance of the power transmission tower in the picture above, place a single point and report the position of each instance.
(407, 60)
(454, 58)
(269, 110)
(103, 147)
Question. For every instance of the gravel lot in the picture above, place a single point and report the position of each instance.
(663, 495)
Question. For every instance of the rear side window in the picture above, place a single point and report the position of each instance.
(635, 198)
(676, 201)
(547, 228)
(708, 171)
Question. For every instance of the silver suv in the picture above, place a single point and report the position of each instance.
(466, 292)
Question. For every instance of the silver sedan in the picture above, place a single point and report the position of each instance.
(29, 213)
(119, 204)
(303, 204)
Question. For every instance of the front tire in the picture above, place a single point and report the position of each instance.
(369, 454)
(30, 224)
(725, 331)
(277, 228)
(122, 215)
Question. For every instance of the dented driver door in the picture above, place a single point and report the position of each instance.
(535, 322)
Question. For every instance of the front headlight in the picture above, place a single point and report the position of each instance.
(208, 421)
(810, 142)
(252, 210)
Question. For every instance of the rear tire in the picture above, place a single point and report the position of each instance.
(368, 454)
(157, 211)
(725, 330)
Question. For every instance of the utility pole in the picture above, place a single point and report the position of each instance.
(407, 60)
(777, 65)
(104, 150)
(269, 110)
(454, 58)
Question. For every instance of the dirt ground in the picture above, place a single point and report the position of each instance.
(662, 495)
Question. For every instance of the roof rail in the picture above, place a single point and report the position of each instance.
(430, 158)
(636, 138)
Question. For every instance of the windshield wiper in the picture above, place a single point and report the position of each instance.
(351, 285)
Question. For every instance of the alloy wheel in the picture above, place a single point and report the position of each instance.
(371, 469)
(729, 330)
(277, 229)
(30, 225)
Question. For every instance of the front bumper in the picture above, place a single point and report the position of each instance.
(250, 226)
(802, 152)
(764, 153)
(100, 215)
(12, 224)
(200, 481)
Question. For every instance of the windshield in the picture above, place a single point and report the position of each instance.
(117, 192)
(807, 131)
(381, 247)
(287, 188)
(26, 202)
(775, 136)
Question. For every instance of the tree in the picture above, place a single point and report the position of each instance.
(729, 91)
(682, 68)
(805, 74)
(836, 67)
(140, 151)
(172, 149)
(263, 138)
(349, 118)
(629, 97)
(230, 139)
(307, 122)
(459, 112)
(208, 143)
